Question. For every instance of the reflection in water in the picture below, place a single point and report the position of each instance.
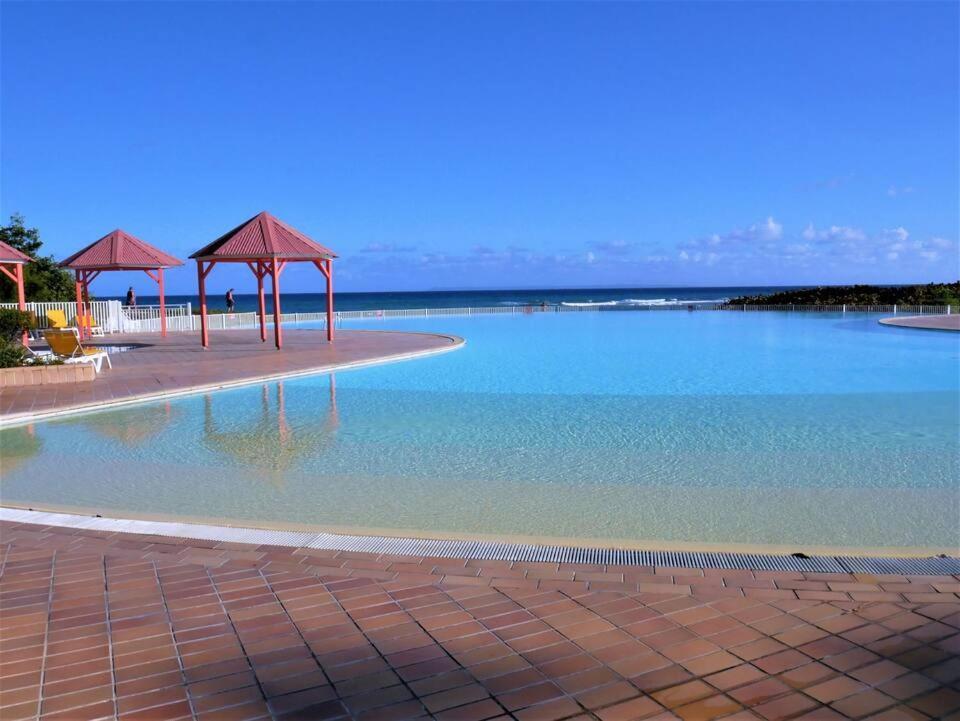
(270, 442)
(131, 426)
(17, 445)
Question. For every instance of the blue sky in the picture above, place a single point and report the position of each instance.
(496, 145)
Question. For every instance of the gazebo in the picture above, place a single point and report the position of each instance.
(265, 244)
(12, 262)
(117, 250)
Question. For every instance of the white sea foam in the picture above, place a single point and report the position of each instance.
(644, 302)
(671, 301)
(590, 304)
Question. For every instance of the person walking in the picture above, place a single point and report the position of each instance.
(131, 297)
(230, 302)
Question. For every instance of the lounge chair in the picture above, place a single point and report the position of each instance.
(88, 321)
(57, 319)
(67, 346)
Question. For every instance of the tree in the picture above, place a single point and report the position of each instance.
(43, 280)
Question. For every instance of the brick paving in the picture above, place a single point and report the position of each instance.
(160, 366)
(110, 625)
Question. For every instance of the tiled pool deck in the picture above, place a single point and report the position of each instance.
(102, 625)
(162, 367)
(928, 322)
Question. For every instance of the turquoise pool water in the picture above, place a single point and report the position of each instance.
(798, 429)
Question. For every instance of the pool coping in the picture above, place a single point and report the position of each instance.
(921, 322)
(20, 419)
(491, 550)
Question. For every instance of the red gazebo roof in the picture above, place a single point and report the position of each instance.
(119, 250)
(264, 236)
(12, 255)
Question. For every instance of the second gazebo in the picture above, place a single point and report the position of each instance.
(266, 245)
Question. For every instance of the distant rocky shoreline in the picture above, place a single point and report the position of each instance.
(930, 294)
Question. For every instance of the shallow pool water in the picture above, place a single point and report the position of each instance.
(672, 427)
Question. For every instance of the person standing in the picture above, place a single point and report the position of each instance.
(131, 297)
(230, 302)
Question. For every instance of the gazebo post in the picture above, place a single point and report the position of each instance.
(201, 280)
(79, 290)
(12, 263)
(163, 305)
(326, 267)
(277, 333)
(260, 272)
(158, 279)
(329, 300)
(15, 273)
(21, 299)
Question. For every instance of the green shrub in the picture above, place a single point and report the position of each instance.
(14, 322)
(12, 354)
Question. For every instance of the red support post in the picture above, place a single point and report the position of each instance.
(329, 275)
(260, 272)
(201, 280)
(21, 299)
(163, 306)
(79, 289)
(277, 333)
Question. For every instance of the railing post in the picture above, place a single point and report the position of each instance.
(894, 308)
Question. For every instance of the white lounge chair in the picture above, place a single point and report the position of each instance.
(67, 346)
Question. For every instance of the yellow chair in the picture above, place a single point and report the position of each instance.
(67, 346)
(57, 319)
(88, 321)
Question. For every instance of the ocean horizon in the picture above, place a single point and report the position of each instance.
(387, 300)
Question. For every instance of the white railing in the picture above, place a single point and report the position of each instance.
(146, 318)
(105, 312)
(113, 317)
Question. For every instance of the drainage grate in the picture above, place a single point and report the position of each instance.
(492, 550)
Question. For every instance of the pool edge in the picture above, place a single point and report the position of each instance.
(502, 550)
(11, 421)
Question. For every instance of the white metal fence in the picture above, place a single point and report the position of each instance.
(146, 318)
(113, 317)
(105, 312)
(116, 318)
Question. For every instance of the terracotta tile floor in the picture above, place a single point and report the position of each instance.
(178, 362)
(98, 625)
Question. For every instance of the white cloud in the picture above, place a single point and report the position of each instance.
(893, 191)
(614, 247)
(899, 233)
(387, 248)
(769, 230)
(764, 247)
(844, 233)
(767, 243)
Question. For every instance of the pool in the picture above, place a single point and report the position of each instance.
(796, 430)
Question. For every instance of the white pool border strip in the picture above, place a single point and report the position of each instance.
(20, 419)
(490, 550)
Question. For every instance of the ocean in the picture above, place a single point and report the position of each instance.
(312, 302)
